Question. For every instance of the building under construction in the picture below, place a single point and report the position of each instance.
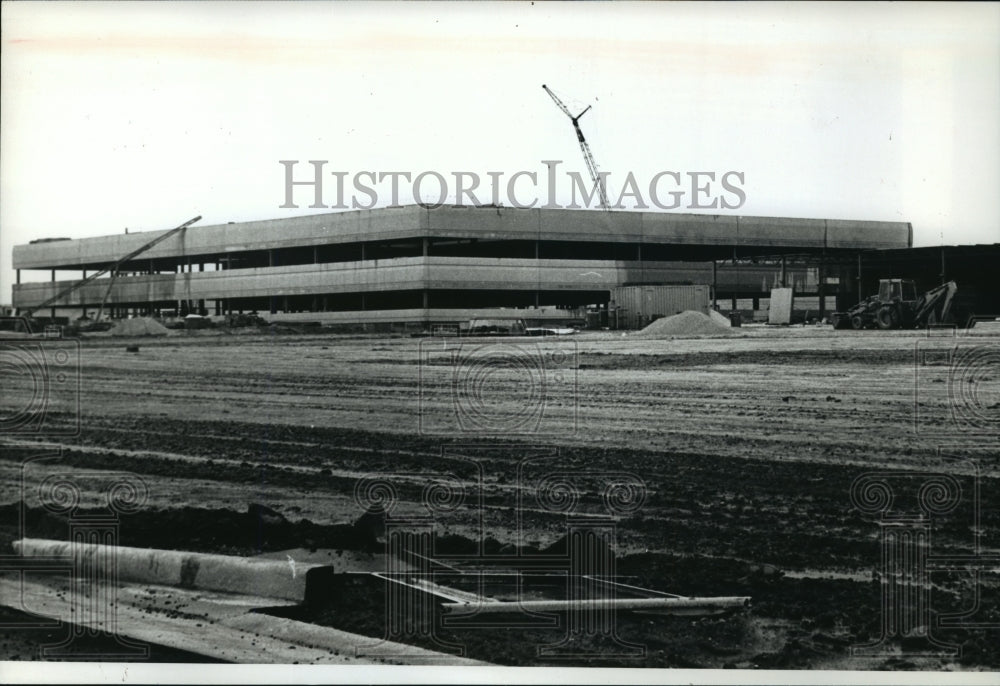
(421, 265)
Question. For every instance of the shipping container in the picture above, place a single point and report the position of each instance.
(637, 306)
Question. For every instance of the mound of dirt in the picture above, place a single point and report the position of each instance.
(139, 326)
(720, 319)
(688, 323)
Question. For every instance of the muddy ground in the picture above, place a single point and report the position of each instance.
(725, 465)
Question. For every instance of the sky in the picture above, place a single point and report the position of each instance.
(141, 116)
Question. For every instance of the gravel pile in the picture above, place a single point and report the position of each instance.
(689, 323)
(139, 326)
(720, 319)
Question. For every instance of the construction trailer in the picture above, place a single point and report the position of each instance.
(633, 307)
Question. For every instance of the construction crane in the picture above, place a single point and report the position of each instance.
(113, 268)
(588, 157)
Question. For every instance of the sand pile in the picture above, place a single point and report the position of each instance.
(689, 323)
(720, 319)
(139, 326)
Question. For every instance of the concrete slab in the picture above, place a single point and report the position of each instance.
(780, 311)
(207, 623)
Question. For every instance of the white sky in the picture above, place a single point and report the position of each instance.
(142, 116)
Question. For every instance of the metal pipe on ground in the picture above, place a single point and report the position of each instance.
(667, 605)
(264, 577)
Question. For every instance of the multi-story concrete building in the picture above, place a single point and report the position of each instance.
(424, 265)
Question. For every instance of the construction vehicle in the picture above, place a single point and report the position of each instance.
(588, 157)
(897, 306)
(113, 268)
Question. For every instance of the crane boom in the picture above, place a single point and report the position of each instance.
(559, 102)
(112, 267)
(588, 157)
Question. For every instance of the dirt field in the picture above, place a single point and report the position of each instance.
(726, 463)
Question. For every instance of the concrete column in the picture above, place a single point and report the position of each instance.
(363, 252)
(784, 273)
(426, 248)
(201, 266)
(821, 288)
(714, 282)
(315, 254)
(426, 295)
(860, 295)
(53, 276)
(270, 258)
(18, 276)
